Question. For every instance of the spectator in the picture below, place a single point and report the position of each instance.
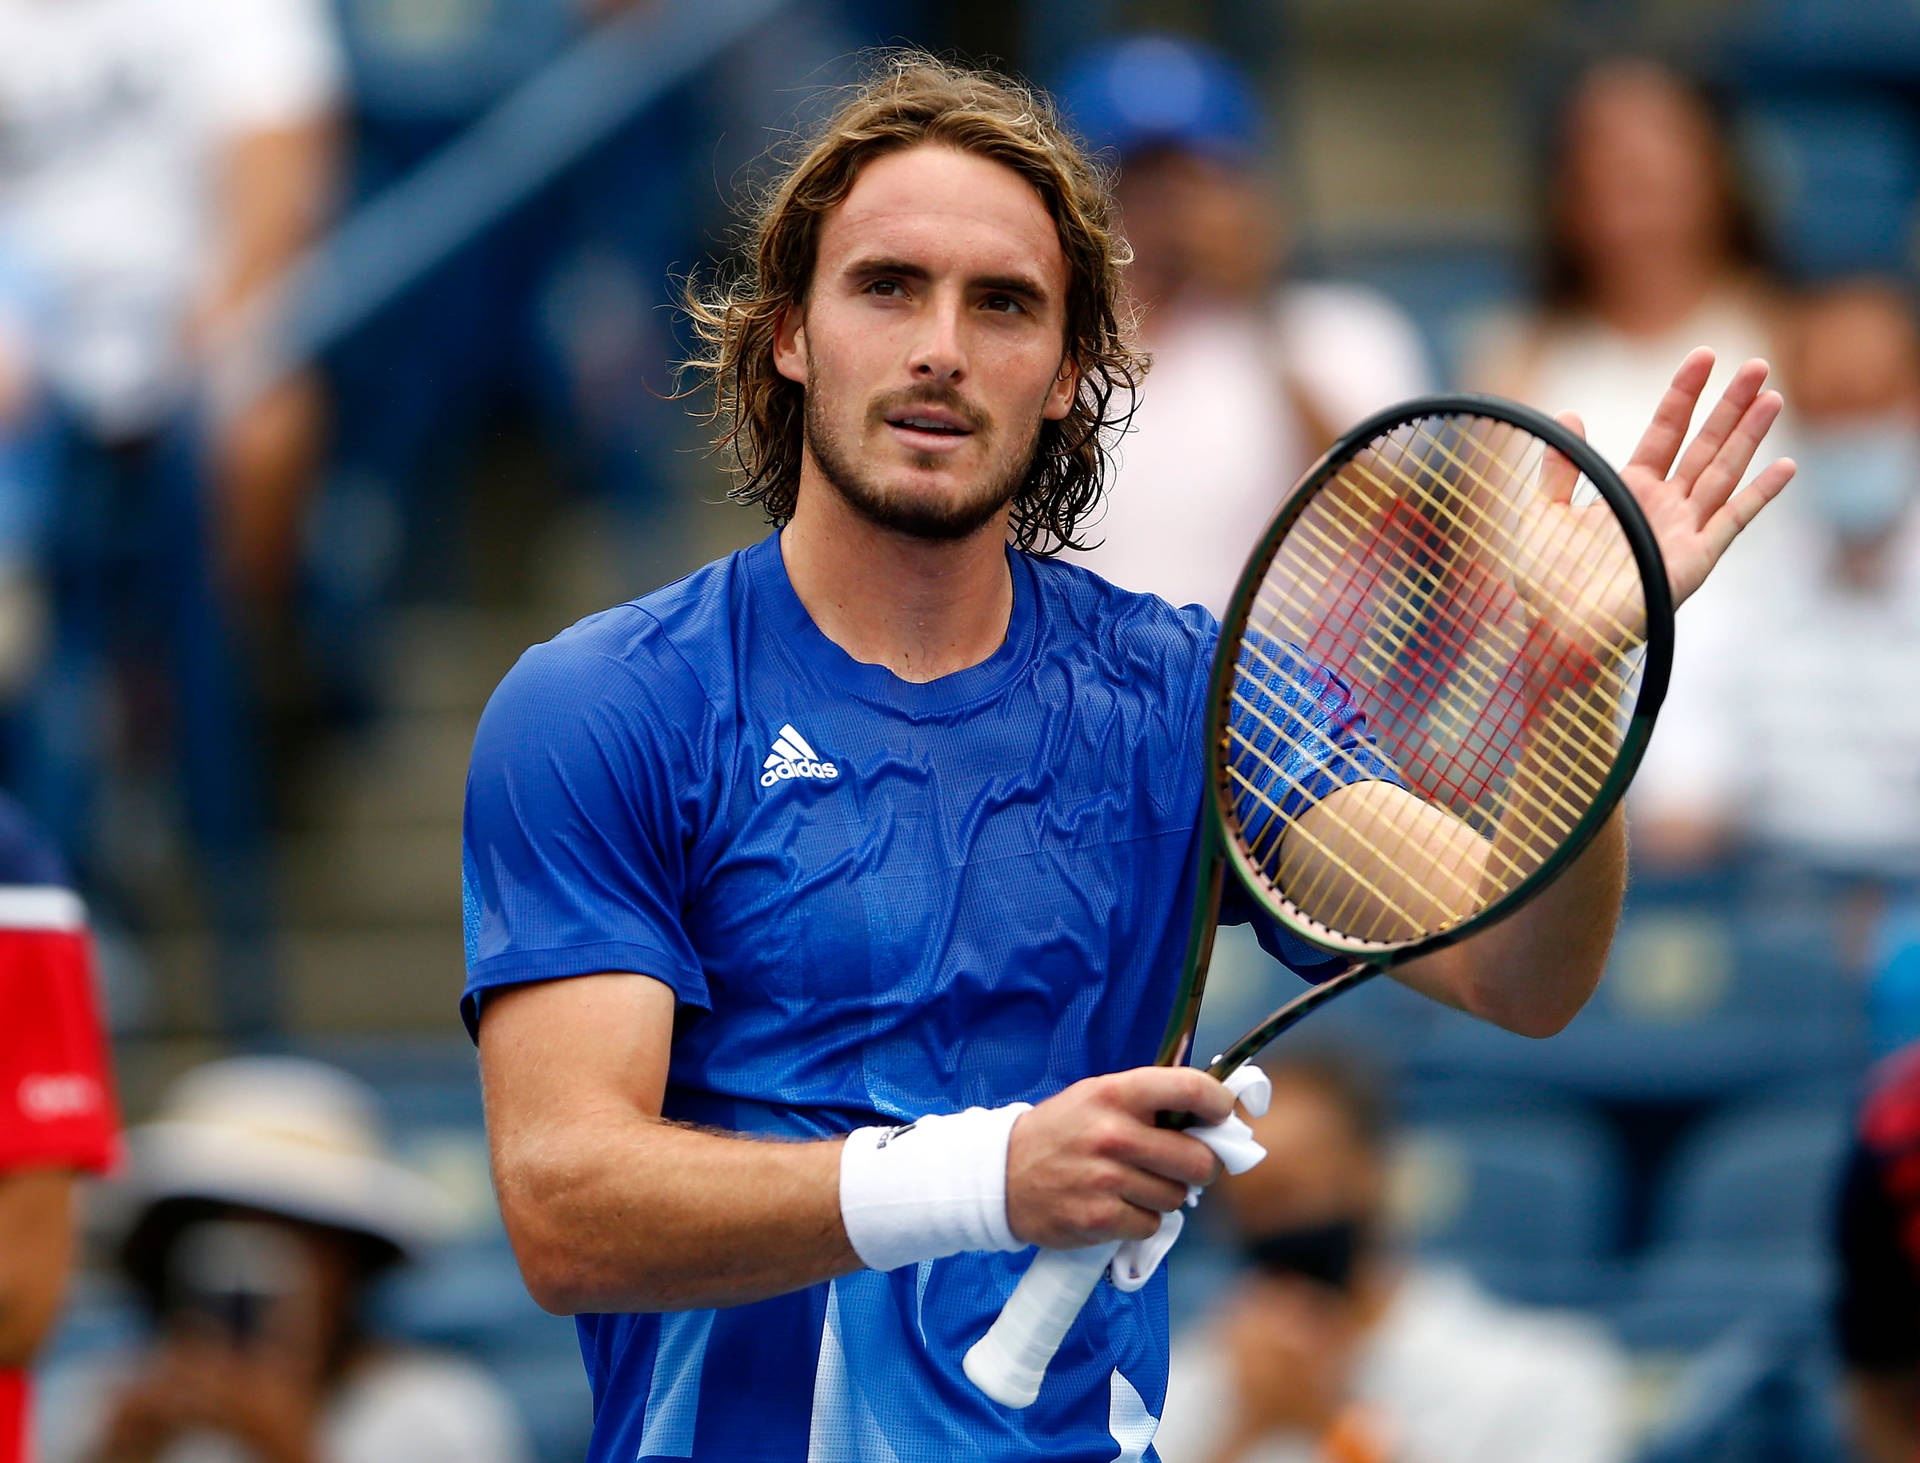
(1250, 381)
(263, 1204)
(1335, 1342)
(1877, 1313)
(56, 1105)
(1649, 253)
(1798, 732)
(161, 160)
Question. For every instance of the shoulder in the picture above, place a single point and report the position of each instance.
(1078, 603)
(1352, 347)
(668, 651)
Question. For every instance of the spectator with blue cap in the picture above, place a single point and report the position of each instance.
(1254, 374)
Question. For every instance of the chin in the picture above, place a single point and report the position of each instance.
(939, 514)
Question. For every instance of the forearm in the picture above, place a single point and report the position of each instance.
(36, 1251)
(276, 189)
(631, 1213)
(1532, 972)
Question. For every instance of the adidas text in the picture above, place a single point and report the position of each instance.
(792, 756)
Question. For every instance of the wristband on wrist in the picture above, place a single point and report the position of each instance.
(928, 1188)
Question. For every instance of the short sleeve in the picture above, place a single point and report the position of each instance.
(270, 63)
(584, 798)
(56, 1099)
(1299, 735)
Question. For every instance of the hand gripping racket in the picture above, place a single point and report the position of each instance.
(1482, 587)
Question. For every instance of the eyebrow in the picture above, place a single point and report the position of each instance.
(1023, 285)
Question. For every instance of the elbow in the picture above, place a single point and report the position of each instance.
(1534, 1007)
(552, 1261)
(1537, 1025)
(558, 1223)
(556, 1285)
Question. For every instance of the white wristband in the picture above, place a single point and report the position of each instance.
(929, 1188)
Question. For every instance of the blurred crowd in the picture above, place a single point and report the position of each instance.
(295, 293)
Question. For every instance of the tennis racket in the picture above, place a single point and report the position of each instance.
(1483, 588)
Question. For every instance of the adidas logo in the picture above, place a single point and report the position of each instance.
(792, 757)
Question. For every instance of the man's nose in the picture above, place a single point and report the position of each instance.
(939, 353)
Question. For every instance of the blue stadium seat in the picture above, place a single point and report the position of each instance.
(1758, 1179)
(1740, 1228)
(1684, 1300)
(1764, 1392)
(1529, 1201)
(1701, 1000)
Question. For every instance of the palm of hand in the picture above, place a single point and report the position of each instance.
(1572, 563)
(1691, 503)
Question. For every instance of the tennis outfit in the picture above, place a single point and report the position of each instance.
(873, 900)
(56, 1103)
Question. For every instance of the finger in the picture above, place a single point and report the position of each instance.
(1721, 424)
(1171, 1155)
(1668, 429)
(1744, 506)
(1729, 465)
(1149, 1191)
(1147, 1091)
(1558, 475)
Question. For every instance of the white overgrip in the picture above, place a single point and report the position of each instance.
(1009, 1362)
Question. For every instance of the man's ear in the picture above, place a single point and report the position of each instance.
(790, 344)
(1060, 395)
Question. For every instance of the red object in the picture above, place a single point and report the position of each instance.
(56, 1099)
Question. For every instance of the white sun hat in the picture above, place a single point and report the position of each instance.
(286, 1136)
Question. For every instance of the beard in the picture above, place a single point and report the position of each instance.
(930, 517)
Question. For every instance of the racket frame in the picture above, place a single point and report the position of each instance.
(1221, 847)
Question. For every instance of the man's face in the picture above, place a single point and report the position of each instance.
(931, 342)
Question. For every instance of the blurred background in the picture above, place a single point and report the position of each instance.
(337, 363)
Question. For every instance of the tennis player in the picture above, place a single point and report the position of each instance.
(791, 885)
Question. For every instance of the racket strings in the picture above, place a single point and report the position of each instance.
(1405, 611)
(1484, 630)
(1485, 627)
(1486, 546)
(1280, 823)
(1430, 575)
(1460, 712)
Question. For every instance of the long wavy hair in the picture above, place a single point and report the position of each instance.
(913, 99)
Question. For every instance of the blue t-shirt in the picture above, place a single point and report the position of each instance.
(873, 899)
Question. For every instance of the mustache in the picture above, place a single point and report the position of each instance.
(897, 403)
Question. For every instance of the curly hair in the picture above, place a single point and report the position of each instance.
(913, 99)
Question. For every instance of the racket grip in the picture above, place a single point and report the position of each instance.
(1009, 1362)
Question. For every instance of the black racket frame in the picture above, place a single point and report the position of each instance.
(1220, 845)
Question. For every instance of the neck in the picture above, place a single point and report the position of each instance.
(1654, 293)
(921, 609)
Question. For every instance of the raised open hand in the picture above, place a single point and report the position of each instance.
(1693, 507)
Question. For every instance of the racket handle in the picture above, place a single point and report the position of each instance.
(1009, 1362)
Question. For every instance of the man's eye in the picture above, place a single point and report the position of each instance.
(1005, 305)
(885, 287)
